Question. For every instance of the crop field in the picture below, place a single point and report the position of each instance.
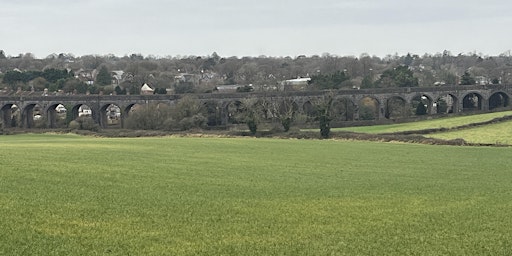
(74, 195)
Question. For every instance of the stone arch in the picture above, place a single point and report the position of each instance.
(369, 108)
(10, 115)
(396, 107)
(499, 100)
(233, 110)
(308, 109)
(81, 110)
(288, 105)
(421, 104)
(128, 110)
(110, 116)
(132, 107)
(56, 115)
(472, 101)
(344, 109)
(445, 104)
(32, 116)
(213, 111)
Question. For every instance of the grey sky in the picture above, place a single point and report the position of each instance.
(252, 28)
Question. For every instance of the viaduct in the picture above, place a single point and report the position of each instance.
(384, 102)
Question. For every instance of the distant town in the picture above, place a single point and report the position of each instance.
(59, 74)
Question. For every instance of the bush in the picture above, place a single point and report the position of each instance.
(74, 125)
(150, 117)
(84, 123)
(196, 121)
(185, 115)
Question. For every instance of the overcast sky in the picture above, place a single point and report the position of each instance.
(253, 28)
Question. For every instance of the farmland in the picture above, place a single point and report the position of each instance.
(74, 195)
(448, 122)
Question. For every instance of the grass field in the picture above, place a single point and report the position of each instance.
(500, 133)
(72, 195)
(448, 122)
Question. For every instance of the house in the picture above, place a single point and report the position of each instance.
(187, 78)
(296, 84)
(117, 77)
(227, 88)
(482, 80)
(146, 90)
(85, 76)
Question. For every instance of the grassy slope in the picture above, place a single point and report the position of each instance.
(500, 133)
(450, 122)
(70, 195)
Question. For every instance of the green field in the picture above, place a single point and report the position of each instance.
(72, 195)
(499, 133)
(448, 122)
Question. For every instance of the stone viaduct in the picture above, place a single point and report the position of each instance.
(384, 102)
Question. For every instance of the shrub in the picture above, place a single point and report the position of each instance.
(185, 115)
(84, 123)
(196, 121)
(74, 125)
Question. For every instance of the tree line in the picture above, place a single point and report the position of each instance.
(203, 74)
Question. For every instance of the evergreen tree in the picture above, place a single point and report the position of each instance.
(400, 76)
(467, 79)
(104, 77)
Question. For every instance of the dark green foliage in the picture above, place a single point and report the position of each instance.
(467, 79)
(120, 91)
(104, 77)
(287, 123)
(13, 77)
(329, 81)
(408, 59)
(54, 76)
(252, 125)
(366, 113)
(160, 91)
(93, 89)
(183, 87)
(367, 82)
(213, 113)
(250, 113)
(245, 88)
(421, 109)
(134, 90)
(325, 114)
(400, 76)
(325, 126)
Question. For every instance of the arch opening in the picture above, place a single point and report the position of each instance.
(499, 100)
(57, 116)
(32, 116)
(368, 109)
(11, 116)
(472, 102)
(396, 108)
(421, 105)
(445, 104)
(344, 109)
(110, 116)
